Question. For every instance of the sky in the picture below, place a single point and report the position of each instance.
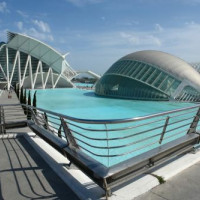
(97, 33)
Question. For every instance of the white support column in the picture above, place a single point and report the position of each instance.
(14, 65)
(45, 83)
(42, 78)
(36, 74)
(19, 70)
(26, 66)
(57, 81)
(31, 72)
(7, 69)
(52, 79)
(1, 68)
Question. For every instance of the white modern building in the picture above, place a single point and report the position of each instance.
(151, 75)
(33, 64)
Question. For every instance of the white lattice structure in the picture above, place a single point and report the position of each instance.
(31, 63)
(196, 66)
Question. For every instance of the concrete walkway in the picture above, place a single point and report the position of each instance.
(183, 186)
(25, 175)
(23, 172)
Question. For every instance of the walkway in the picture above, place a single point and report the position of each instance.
(183, 186)
(23, 172)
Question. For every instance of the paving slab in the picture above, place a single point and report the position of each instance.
(183, 186)
(25, 175)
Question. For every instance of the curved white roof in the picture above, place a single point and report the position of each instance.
(169, 63)
(39, 50)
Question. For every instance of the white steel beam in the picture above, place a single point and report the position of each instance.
(1, 68)
(7, 69)
(19, 70)
(38, 65)
(41, 72)
(52, 79)
(13, 69)
(31, 72)
(47, 76)
(26, 66)
(57, 81)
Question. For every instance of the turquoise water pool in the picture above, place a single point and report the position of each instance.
(86, 105)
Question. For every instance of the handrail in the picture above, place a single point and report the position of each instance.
(108, 121)
(94, 145)
(153, 129)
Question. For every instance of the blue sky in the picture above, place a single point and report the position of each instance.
(99, 32)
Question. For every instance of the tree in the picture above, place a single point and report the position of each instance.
(35, 101)
(17, 92)
(29, 104)
(29, 98)
(25, 102)
(21, 95)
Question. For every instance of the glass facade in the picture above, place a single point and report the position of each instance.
(188, 94)
(136, 80)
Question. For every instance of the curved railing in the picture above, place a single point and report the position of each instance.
(111, 152)
(113, 141)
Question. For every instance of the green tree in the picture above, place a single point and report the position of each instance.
(25, 102)
(35, 101)
(29, 98)
(21, 95)
(29, 104)
(17, 92)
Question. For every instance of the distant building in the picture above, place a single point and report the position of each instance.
(150, 75)
(32, 64)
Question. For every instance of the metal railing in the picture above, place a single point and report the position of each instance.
(112, 142)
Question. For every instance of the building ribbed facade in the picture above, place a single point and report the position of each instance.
(33, 64)
(150, 75)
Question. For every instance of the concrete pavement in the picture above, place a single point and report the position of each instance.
(183, 186)
(23, 172)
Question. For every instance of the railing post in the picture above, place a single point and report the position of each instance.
(29, 112)
(34, 114)
(194, 123)
(107, 140)
(46, 125)
(70, 139)
(2, 121)
(1, 125)
(164, 130)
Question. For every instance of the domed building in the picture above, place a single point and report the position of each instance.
(150, 75)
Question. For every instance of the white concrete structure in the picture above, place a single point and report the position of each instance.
(151, 75)
(31, 63)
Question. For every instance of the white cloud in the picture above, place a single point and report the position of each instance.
(43, 26)
(3, 7)
(22, 14)
(140, 38)
(35, 28)
(20, 25)
(41, 36)
(182, 41)
(83, 2)
(3, 34)
(158, 27)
